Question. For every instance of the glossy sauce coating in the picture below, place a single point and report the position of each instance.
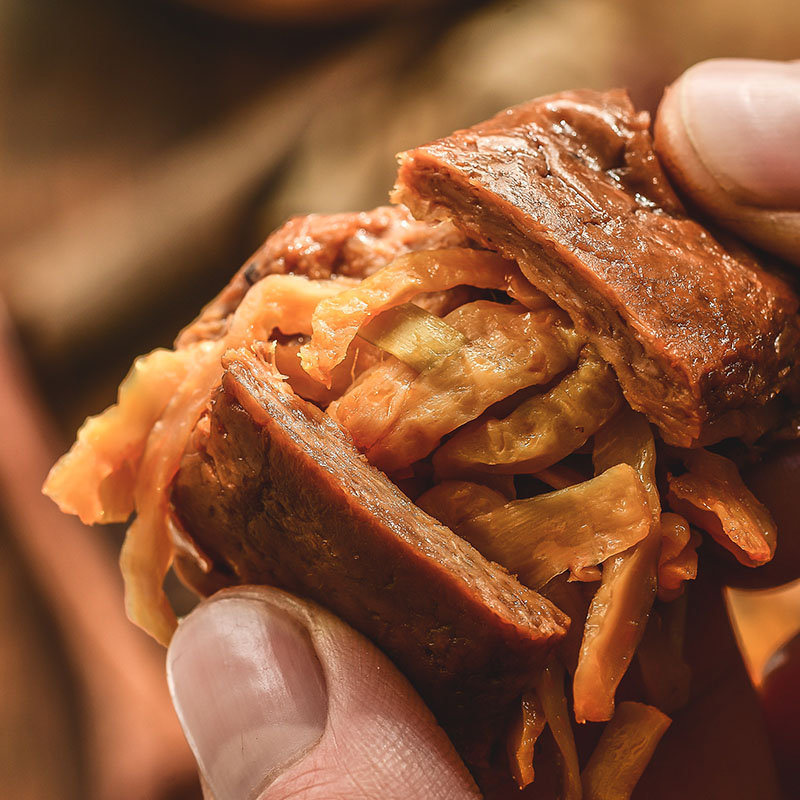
(569, 186)
(275, 492)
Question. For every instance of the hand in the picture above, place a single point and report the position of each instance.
(727, 133)
(277, 695)
(276, 692)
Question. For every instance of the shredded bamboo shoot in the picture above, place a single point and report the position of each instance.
(415, 336)
(572, 529)
(623, 752)
(526, 729)
(540, 431)
(713, 496)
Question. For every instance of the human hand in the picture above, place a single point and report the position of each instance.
(279, 699)
(278, 695)
(727, 132)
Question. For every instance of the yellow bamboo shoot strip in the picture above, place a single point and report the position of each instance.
(128, 455)
(453, 502)
(550, 690)
(337, 322)
(624, 750)
(628, 439)
(540, 431)
(509, 348)
(96, 478)
(618, 612)
(677, 562)
(526, 729)
(413, 335)
(713, 496)
(572, 529)
(665, 675)
(572, 600)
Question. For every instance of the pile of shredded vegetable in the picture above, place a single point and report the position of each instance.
(475, 393)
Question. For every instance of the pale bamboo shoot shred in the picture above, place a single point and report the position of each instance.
(618, 613)
(509, 348)
(107, 449)
(678, 559)
(466, 384)
(526, 729)
(413, 335)
(550, 691)
(665, 674)
(95, 479)
(713, 496)
(337, 323)
(455, 502)
(540, 431)
(573, 529)
(624, 750)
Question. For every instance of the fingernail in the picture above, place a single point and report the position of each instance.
(249, 691)
(743, 118)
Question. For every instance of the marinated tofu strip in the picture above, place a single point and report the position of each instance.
(570, 188)
(279, 495)
(540, 431)
(618, 612)
(713, 496)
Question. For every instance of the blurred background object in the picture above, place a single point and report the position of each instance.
(146, 148)
(301, 11)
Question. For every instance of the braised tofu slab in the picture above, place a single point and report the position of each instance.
(276, 492)
(700, 335)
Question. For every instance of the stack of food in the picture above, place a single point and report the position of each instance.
(482, 425)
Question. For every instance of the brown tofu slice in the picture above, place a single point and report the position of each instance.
(274, 492)
(354, 244)
(569, 186)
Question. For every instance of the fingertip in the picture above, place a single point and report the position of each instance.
(727, 133)
(248, 689)
(280, 699)
(742, 118)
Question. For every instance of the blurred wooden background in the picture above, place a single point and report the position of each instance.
(146, 148)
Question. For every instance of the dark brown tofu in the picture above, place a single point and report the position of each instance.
(569, 186)
(320, 245)
(274, 492)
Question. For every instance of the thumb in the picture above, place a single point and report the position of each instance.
(728, 132)
(279, 699)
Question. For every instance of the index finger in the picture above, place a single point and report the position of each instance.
(726, 132)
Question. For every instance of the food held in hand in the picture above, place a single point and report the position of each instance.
(474, 425)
